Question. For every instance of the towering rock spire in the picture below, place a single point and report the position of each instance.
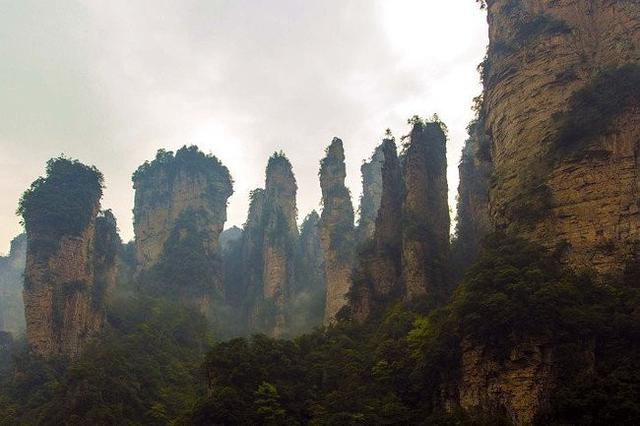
(377, 272)
(336, 229)
(280, 237)
(180, 210)
(63, 304)
(371, 195)
(425, 212)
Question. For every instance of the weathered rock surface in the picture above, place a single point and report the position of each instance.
(63, 306)
(11, 279)
(563, 113)
(519, 385)
(180, 208)
(371, 196)
(337, 234)
(425, 213)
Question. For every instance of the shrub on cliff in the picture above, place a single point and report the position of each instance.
(593, 108)
(61, 203)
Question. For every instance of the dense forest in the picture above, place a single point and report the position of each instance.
(359, 314)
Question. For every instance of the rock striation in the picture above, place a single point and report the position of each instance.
(425, 213)
(179, 212)
(11, 279)
(337, 233)
(63, 305)
(566, 160)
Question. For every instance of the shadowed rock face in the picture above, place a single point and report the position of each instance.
(311, 273)
(473, 198)
(371, 195)
(563, 112)
(425, 213)
(11, 279)
(337, 235)
(63, 305)
(105, 257)
(180, 209)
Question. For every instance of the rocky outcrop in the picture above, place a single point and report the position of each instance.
(376, 277)
(63, 305)
(179, 212)
(425, 213)
(11, 279)
(566, 159)
(337, 236)
(279, 238)
(472, 222)
(371, 195)
(517, 386)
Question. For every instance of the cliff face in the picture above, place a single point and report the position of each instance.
(11, 279)
(425, 213)
(179, 212)
(336, 230)
(473, 198)
(566, 160)
(371, 195)
(63, 306)
(279, 238)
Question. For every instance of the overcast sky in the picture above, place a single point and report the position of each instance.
(111, 81)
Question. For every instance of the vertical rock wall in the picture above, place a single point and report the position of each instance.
(371, 195)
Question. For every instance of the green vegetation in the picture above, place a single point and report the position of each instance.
(61, 203)
(187, 268)
(593, 108)
(144, 370)
(389, 370)
(188, 159)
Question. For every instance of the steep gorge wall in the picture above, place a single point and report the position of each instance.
(180, 209)
(337, 234)
(563, 113)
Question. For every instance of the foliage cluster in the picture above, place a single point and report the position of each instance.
(61, 203)
(188, 159)
(593, 108)
(187, 267)
(143, 371)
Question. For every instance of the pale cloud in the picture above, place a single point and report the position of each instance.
(110, 82)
